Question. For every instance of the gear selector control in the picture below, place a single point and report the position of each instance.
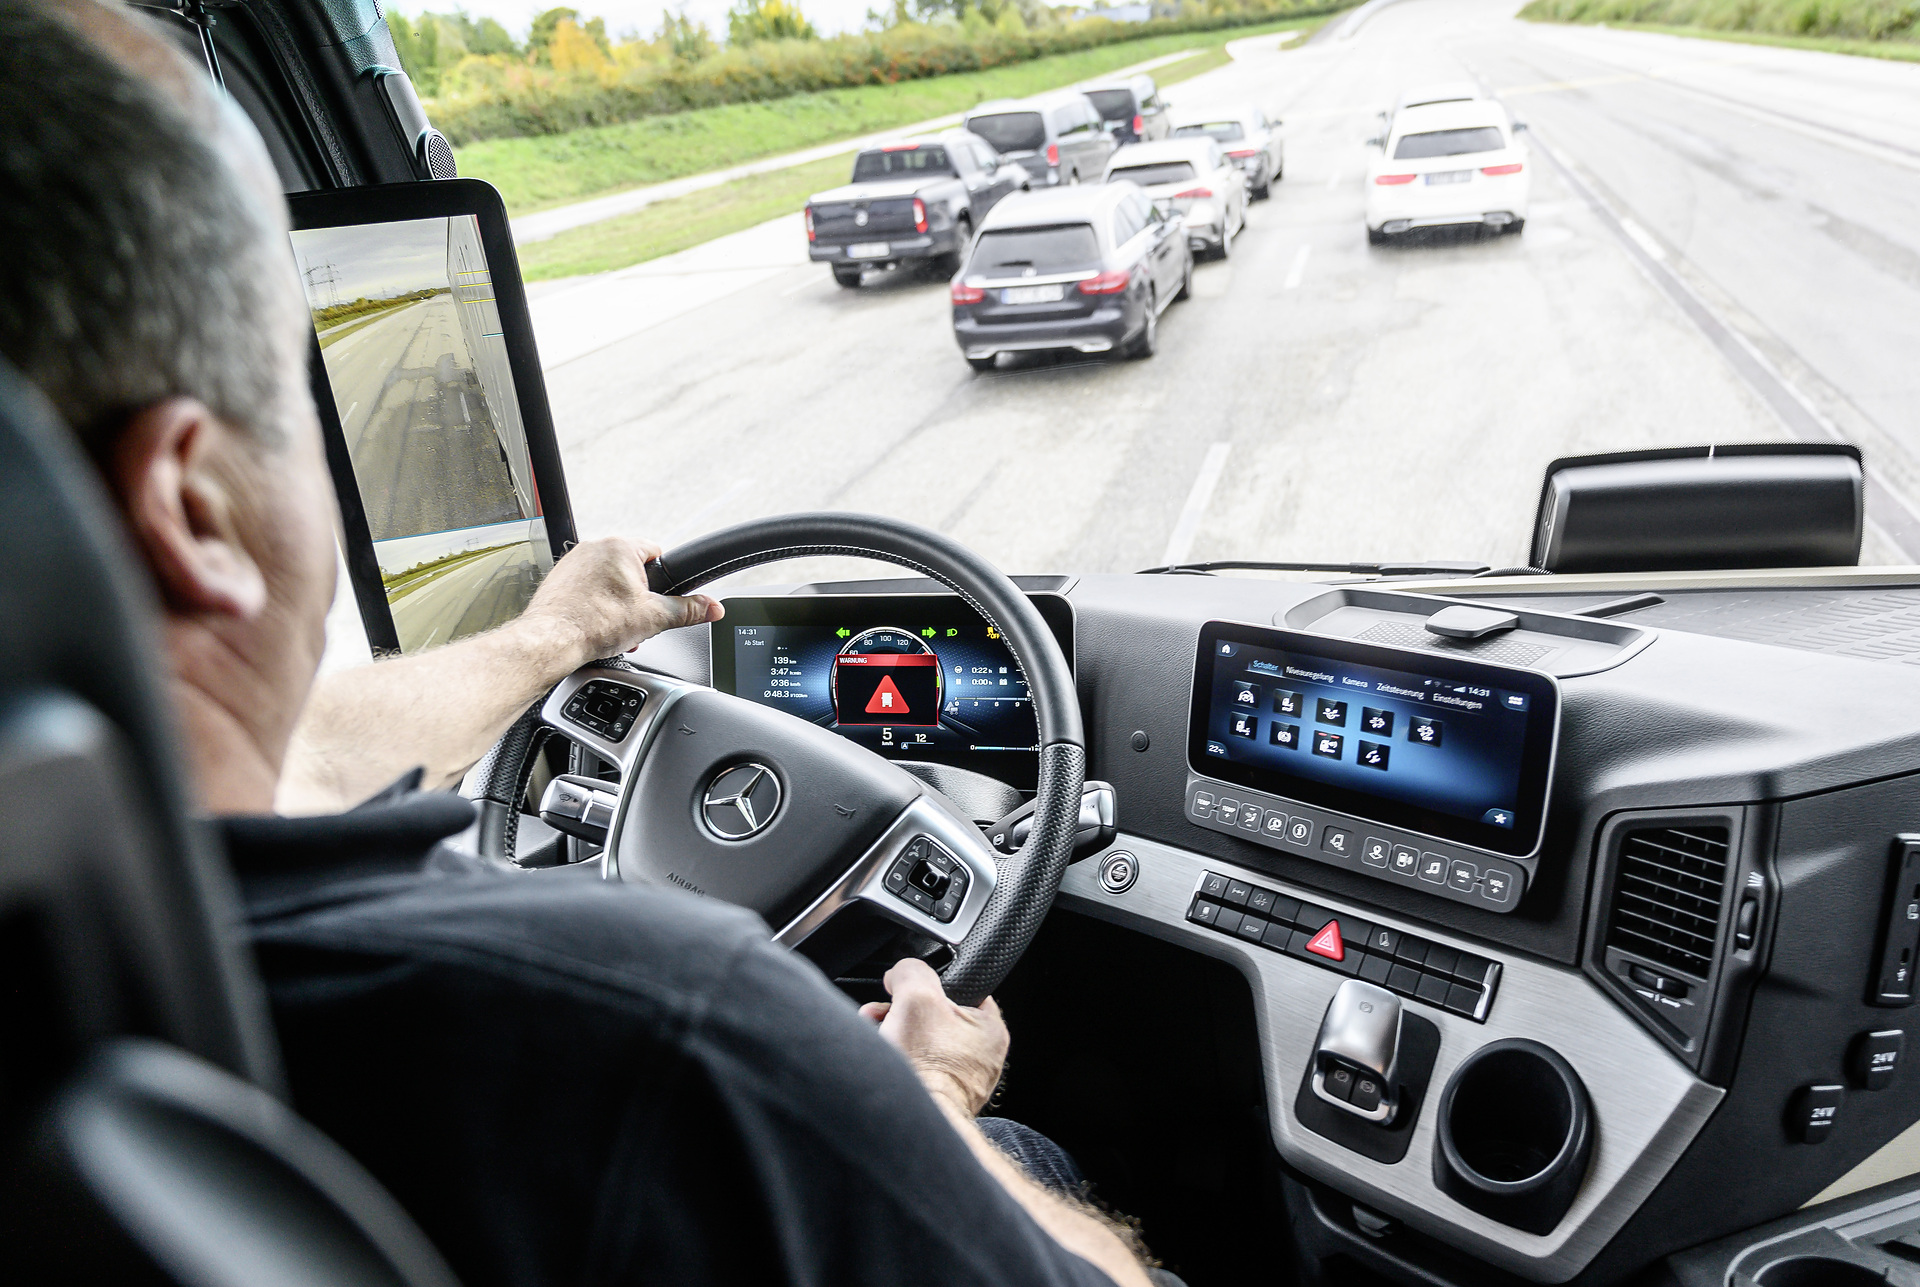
(1357, 1053)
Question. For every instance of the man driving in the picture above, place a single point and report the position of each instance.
(563, 1080)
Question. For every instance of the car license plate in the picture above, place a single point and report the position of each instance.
(867, 250)
(1449, 176)
(1033, 294)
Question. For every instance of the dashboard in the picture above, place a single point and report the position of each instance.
(1671, 850)
(910, 677)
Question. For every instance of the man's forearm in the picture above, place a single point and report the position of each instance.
(437, 710)
(1075, 1227)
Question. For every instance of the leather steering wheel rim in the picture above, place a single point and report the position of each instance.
(1028, 880)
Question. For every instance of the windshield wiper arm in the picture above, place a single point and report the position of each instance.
(1352, 569)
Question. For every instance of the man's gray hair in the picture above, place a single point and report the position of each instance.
(141, 255)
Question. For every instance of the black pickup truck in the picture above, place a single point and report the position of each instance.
(915, 201)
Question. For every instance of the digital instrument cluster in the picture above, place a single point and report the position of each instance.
(913, 677)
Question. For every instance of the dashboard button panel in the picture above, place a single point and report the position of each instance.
(1443, 977)
(1480, 879)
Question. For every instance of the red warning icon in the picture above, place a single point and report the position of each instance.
(1327, 943)
(886, 700)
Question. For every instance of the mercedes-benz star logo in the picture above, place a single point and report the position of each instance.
(741, 801)
(860, 218)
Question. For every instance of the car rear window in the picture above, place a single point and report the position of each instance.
(1225, 131)
(1148, 175)
(884, 163)
(1114, 104)
(1067, 245)
(1011, 131)
(1485, 138)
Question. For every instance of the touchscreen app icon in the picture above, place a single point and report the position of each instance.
(1373, 755)
(1288, 702)
(1423, 729)
(1377, 722)
(1244, 726)
(1286, 736)
(1246, 696)
(1327, 744)
(1331, 712)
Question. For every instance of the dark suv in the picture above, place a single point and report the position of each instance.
(1131, 109)
(1088, 271)
(1058, 138)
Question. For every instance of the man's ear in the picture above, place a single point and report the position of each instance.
(175, 466)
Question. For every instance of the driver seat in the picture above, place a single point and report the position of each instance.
(140, 1142)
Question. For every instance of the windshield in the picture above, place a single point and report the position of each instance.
(1011, 131)
(1045, 250)
(889, 162)
(1113, 104)
(1149, 175)
(1225, 131)
(1415, 147)
(1700, 241)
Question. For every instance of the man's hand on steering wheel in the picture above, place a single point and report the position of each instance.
(596, 603)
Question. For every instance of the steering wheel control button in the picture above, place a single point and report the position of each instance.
(1876, 1058)
(1814, 1111)
(605, 707)
(741, 802)
(1460, 983)
(1118, 871)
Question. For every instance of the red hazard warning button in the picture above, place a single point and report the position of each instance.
(1327, 943)
(886, 700)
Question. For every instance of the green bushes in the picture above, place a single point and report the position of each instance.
(500, 96)
(1871, 20)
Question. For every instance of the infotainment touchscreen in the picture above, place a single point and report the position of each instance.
(1452, 748)
(913, 677)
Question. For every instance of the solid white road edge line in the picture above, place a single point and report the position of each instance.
(1196, 507)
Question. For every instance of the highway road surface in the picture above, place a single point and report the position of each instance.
(477, 595)
(1721, 249)
(417, 425)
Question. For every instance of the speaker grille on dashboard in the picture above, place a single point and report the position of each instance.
(1667, 895)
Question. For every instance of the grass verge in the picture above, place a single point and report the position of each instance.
(667, 226)
(541, 172)
(1900, 51)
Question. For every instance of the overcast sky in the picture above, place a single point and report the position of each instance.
(377, 261)
(643, 16)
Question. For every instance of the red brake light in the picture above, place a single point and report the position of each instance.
(1193, 192)
(965, 294)
(1390, 179)
(919, 215)
(1139, 125)
(1107, 283)
(1053, 154)
(899, 147)
(1252, 151)
(809, 223)
(1501, 169)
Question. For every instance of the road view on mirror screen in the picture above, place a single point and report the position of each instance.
(411, 340)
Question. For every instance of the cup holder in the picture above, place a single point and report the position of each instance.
(1818, 1271)
(1515, 1133)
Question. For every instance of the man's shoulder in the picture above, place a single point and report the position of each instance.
(539, 930)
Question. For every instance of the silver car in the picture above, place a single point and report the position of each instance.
(1191, 177)
(1248, 137)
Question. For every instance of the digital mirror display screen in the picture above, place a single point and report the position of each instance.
(911, 677)
(1456, 749)
(418, 365)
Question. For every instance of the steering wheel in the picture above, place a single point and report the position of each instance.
(732, 800)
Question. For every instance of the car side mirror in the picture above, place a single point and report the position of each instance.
(1769, 505)
(1377, 141)
(1519, 127)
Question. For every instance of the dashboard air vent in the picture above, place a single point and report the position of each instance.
(1667, 896)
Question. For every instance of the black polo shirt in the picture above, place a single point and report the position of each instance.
(572, 1082)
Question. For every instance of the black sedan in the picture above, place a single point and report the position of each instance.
(1080, 269)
